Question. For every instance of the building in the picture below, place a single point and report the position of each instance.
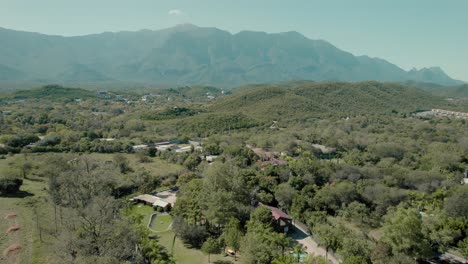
(164, 200)
(139, 147)
(153, 201)
(283, 222)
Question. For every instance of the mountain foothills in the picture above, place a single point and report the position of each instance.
(284, 173)
(189, 55)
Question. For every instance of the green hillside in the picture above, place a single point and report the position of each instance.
(53, 92)
(329, 99)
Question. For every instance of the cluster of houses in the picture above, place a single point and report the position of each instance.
(441, 112)
(444, 113)
(268, 157)
(162, 146)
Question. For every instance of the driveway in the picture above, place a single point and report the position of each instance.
(311, 245)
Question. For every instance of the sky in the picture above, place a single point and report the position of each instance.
(408, 33)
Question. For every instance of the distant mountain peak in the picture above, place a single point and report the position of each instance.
(432, 74)
(186, 26)
(188, 54)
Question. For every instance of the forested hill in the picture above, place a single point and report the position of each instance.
(329, 99)
(458, 91)
(52, 92)
(189, 55)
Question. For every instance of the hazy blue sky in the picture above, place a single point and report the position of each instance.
(409, 33)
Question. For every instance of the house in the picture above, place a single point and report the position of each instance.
(283, 221)
(139, 147)
(183, 149)
(147, 199)
(273, 161)
(153, 201)
(165, 147)
(168, 196)
(107, 139)
(263, 154)
(162, 143)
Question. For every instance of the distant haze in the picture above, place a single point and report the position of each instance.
(187, 54)
(416, 33)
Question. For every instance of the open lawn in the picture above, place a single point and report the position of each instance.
(161, 223)
(181, 252)
(184, 254)
(155, 167)
(32, 194)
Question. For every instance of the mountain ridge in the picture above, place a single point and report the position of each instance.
(187, 54)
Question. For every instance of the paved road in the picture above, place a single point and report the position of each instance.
(449, 258)
(311, 246)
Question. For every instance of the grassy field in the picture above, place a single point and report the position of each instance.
(33, 250)
(177, 248)
(155, 167)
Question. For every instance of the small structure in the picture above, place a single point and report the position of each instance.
(139, 147)
(283, 221)
(210, 158)
(147, 199)
(163, 143)
(107, 139)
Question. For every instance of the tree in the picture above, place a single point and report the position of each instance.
(456, 203)
(439, 231)
(10, 185)
(232, 235)
(402, 231)
(25, 168)
(316, 260)
(355, 260)
(463, 245)
(256, 248)
(284, 194)
(151, 249)
(122, 163)
(333, 196)
(191, 234)
(152, 151)
(354, 249)
(211, 246)
(192, 162)
(261, 216)
(280, 240)
(298, 250)
(186, 178)
(328, 236)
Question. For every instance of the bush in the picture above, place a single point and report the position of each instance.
(10, 185)
(191, 234)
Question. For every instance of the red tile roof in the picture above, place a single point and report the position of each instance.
(276, 212)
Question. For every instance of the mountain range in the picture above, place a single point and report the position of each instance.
(190, 55)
